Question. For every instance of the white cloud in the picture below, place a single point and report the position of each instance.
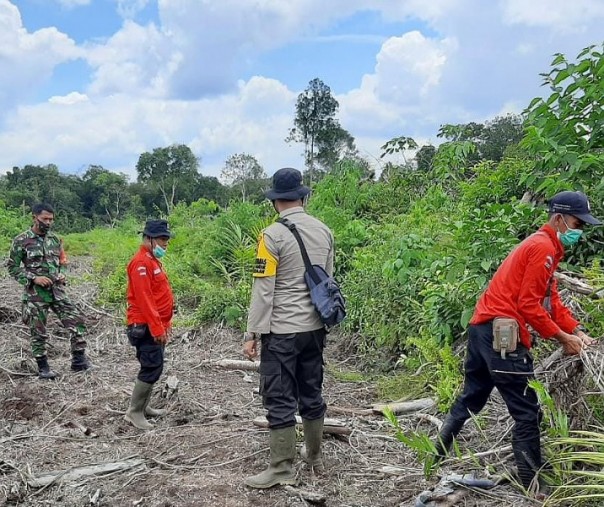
(130, 8)
(113, 131)
(27, 60)
(69, 99)
(178, 81)
(408, 67)
(559, 14)
(401, 96)
(137, 59)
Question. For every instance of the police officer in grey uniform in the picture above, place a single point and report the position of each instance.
(292, 336)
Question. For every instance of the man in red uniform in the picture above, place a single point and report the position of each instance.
(523, 289)
(149, 317)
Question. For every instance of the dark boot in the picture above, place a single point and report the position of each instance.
(150, 411)
(449, 430)
(527, 454)
(44, 370)
(311, 450)
(280, 471)
(79, 361)
(136, 411)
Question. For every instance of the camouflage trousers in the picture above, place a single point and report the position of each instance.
(35, 314)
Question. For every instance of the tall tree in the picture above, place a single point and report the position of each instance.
(172, 170)
(106, 193)
(315, 116)
(491, 138)
(244, 172)
(334, 144)
(210, 188)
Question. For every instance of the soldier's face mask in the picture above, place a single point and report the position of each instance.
(44, 221)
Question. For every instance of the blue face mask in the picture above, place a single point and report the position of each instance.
(159, 252)
(571, 236)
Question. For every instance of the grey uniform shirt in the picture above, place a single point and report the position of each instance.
(280, 298)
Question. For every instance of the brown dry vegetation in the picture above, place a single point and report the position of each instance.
(199, 453)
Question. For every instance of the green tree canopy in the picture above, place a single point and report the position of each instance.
(315, 123)
(172, 171)
(245, 174)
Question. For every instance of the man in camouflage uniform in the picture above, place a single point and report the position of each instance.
(37, 261)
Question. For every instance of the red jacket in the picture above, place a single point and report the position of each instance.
(150, 299)
(519, 287)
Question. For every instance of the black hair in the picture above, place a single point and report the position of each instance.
(39, 207)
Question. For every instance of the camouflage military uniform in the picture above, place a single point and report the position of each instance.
(30, 256)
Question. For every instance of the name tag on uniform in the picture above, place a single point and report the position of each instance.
(157, 271)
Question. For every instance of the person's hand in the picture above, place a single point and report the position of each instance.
(42, 281)
(588, 341)
(250, 346)
(162, 339)
(572, 344)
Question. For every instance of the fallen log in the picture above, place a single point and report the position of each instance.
(350, 411)
(574, 285)
(233, 364)
(77, 473)
(331, 426)
(404, 407)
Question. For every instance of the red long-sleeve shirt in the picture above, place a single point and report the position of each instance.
(519, 287)
(150, 298)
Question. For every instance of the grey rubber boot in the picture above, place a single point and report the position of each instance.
(280, 470)
(44, 371)
(135, 413)
(150, 411)
(311, 450)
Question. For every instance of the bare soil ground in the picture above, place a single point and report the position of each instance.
(199, 453)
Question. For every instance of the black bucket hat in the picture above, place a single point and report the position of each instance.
(287, 185)
(157, 229)
(575, 204)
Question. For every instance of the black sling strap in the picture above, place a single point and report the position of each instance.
(305, 257)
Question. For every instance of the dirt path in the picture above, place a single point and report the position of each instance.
(199, 453)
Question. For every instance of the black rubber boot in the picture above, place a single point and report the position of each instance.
(44, 371)
(79, 361)
(449, 430)
(527, 454)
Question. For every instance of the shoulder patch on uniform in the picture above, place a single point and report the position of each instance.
(549, 262)
(142, 270)
(266, 264)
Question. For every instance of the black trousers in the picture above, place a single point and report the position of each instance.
(291, 376)
(485, 369)
(149, 353)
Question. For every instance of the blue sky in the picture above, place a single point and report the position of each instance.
(102, 81)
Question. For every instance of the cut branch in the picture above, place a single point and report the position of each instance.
(404, 407)
(233, 364)
(77, 473)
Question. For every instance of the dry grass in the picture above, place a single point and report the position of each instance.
(199, 453)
